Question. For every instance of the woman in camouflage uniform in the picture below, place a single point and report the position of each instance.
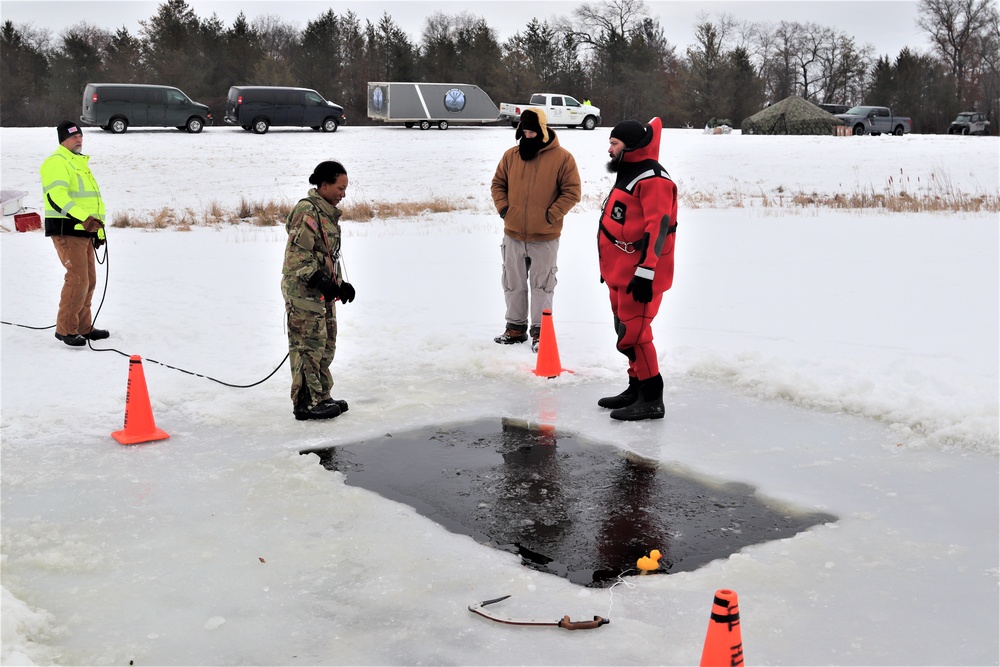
(312, 280)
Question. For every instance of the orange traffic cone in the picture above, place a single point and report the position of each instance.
(548, 350)
(724, 642)
(139, 424)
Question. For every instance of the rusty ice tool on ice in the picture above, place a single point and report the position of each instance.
(564, 622)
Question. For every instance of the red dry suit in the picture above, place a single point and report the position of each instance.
(636, 238)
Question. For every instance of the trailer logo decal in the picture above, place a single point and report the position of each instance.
(454, 100)
(378, 99)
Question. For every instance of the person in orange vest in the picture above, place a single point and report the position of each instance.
(74, 219)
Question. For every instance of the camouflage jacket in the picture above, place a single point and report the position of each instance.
(313, 245)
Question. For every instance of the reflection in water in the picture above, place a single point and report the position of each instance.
(581, 510)
(630, 527)
(531, 482)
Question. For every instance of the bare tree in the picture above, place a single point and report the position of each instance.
(809, 42)
(815, 62)
(991, 67)
(614, 18)
(954, 27)
(278, 38)
(779, 46)
(842, 69)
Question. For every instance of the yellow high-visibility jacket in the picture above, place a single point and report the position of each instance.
(70, 194)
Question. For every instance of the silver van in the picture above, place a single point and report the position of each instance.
(115, 107)
(259, 107)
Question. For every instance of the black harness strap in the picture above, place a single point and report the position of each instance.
(627, 247)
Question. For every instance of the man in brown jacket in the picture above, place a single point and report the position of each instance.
(534, 187)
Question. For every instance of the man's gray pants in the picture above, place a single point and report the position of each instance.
(528, 266)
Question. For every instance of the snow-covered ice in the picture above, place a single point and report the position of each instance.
(842, 361)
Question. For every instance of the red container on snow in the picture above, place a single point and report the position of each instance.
(26, 222)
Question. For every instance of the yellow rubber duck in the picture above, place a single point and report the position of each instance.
(650, 562)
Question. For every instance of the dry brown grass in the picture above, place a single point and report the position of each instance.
(901, 201)
(366, 211)
(269, 213)
(899, 194)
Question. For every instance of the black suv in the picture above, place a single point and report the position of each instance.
(259, 107)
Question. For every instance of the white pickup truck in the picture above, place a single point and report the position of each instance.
(559, 110)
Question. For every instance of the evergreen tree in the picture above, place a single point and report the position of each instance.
(707, 92)
(746, 89)
(477, 51)
(628, 59)
(351, 88)
(171, 47)
(391, 55)
(123, 59)
(76, 62)
(212, 41)
(917, 86)
(321, 59)
(24, 75)
(438, 49)
(530, 57)
(242, 51)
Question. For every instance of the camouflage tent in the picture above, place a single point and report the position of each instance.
(792, 115)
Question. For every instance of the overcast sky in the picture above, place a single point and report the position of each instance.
(888, 25)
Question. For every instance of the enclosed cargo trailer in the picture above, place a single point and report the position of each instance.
(427, 104)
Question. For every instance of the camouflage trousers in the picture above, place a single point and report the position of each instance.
(312, 343)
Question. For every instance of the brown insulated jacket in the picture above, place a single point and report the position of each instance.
(536, 193)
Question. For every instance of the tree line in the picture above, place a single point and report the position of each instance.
(613, 53)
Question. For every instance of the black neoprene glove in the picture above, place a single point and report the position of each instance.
(346, 292)
(641, 286)
(324, 284)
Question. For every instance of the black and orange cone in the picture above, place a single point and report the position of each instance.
(139, 423)
(548, 364)
(724, 641)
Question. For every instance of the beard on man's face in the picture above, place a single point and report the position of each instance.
(613, 164)
(528, 148)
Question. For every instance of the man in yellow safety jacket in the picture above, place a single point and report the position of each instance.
(74, 218)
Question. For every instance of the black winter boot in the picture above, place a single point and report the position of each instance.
(340, 403)
(649, 405)
(318, 411)
(624, 399)
(73, 340)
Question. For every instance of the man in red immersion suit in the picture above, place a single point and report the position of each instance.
(636, 247)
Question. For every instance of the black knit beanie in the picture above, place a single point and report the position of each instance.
(67, 129)
(631, 133)
(535, 121)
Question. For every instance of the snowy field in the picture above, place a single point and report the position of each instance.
(845, 362)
